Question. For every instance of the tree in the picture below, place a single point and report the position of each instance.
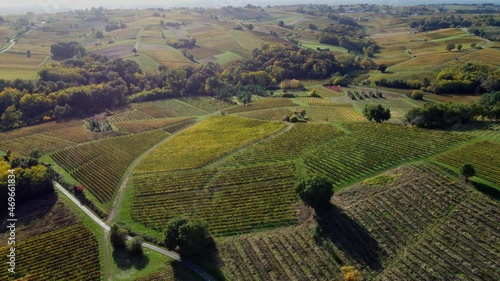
(382, 68)
(472, 45)
(134, 246)
(281, 23)
(118, 236)
(350, 273)
(312, 26)
(459, 47)
(315, 191)
(250, 27)
(99, 34)
(189, 236)
(467, 170)
(376, 112)
(28, 54)
(417, 95)
(450, 46)
(134, 50)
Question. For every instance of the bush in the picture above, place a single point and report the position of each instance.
(417, 95)
(314, 94)
(467, 170)
(294, 119)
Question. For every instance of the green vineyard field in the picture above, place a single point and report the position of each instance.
(100, 165)
(482, 155)
(230, 201)
(69, 253)
(370, 147)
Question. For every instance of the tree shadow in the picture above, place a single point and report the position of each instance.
(211, 261)
(350, 237)
(124, 260)
(31, 209)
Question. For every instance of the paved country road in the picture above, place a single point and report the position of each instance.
(106, 227)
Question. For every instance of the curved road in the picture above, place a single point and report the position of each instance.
(106, 227)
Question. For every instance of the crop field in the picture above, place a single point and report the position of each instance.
(315, 101)
(177, 127)
(174, 271)
(267, 191)
(489, 56)
(443, 33)
(25, 145)
(167, 55)
(74, 255)
(209, 139)
(285, 254)
(168, 108)
(247, 39)
(286, 146)
(147, 125)
(272, 114)
(100, 165)
(261, 104)
(38, 129)
(79, 134)
(129, 115)
(116, 50)
(487, 129)
(334, 114)
(203, 52)
(441, 211)
(207, 104)
(425, 62)
(370, 147)
(482, 155)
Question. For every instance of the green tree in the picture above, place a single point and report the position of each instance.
(189, 236)
(315, 191)
(28, 54)
(450, 46)
(134, 50)
(250, 27)
(467, 170)
(11, 118)
(382, 68)
(118, 236)
(281, 23)
(376, 112)
(134, 246)
(459, 47)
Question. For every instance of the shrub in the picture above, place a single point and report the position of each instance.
(417, 95)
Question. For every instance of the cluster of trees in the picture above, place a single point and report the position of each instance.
(189, 237)
(399, 83)
(98, 123)
(182, 43)
(439, 116)
(66, 50)
(486, 26)
(345, 32)
(467, 79)
(118, 238)
(114, 26)
(376, 112)
(31, 178)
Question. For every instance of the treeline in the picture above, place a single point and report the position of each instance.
(182, 43)
(345, 32)
(86, 84)
(486, 26)
(470, 78)
(440, 116)
(31, 179)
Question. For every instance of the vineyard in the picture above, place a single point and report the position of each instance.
(273, 114)
(100, 165)
(370, 147)
(168, 108)
(174, 271)
(177, 127)
(38, 129)
(25, 145)
(208, 140)
(69, 253)
(79, 134)
(261, 104)
(216, 196)
(334, 114)
(487, 129)
(285, 254)
(289, 145)
(130, 115)
(482, 155)
(315, 101)
(147, 125)
(207, 104)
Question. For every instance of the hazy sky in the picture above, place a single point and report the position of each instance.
(61, 5)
